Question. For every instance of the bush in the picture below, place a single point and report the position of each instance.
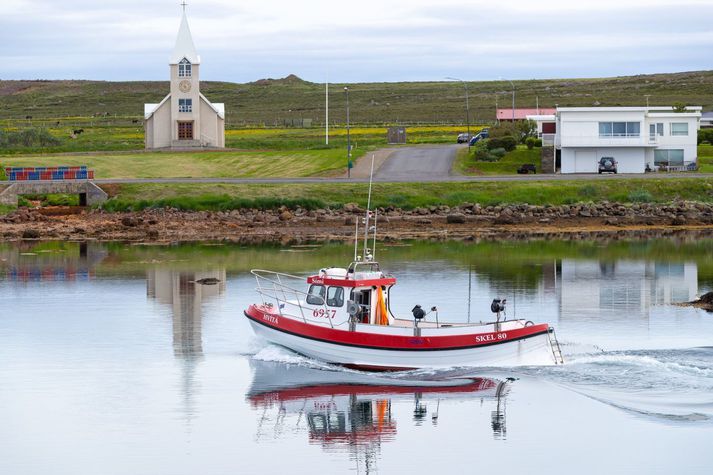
(705, 135)
(640, 196)
(498, 152)
(507, 142)
(538, 142)
(34, 137)
(530, 142)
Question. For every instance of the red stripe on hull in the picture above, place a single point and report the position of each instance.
(264, 316)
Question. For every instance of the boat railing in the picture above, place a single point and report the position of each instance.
(274, 286)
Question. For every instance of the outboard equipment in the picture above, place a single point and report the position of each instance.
(498, 305)
(418, 314)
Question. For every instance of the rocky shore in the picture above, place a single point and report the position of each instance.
(465, 222)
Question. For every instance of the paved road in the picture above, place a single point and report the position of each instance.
(418, 164)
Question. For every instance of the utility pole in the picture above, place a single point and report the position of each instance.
(467, 107)
(349, 142)
(326, 112)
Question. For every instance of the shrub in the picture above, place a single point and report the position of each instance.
(480, 150)
(498, 153)
(507, 142)
(530, 142)
(705, 135)
(640, 196)
(538, 142)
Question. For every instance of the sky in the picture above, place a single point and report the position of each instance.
(356, 41)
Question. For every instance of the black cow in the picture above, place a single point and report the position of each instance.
(28, 117)
(78, 131)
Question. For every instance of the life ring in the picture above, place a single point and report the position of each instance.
(529, 323)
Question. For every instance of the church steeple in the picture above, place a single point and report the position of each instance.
(184, 44)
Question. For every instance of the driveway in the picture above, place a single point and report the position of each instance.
(427, 163)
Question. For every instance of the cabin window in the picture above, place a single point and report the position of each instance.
(184, 69)
(335, 296)
(315, 295)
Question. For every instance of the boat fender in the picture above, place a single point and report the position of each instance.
(529, 323)
(418, 312)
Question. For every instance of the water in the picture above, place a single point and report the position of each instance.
(113, 361)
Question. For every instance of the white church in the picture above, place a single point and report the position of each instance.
(185, 118)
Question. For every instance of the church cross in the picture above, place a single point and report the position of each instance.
(183, 4)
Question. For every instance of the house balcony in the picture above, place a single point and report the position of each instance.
(607, 141)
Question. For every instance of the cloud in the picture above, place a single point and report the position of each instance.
(370, 40)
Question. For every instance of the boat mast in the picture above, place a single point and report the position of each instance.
(368, 211)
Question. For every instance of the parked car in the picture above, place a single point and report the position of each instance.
(607, 164)
(483, 134)
(463, 138)
(526, 168)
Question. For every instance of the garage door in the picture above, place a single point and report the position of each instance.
(585, 161)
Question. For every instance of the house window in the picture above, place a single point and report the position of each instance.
(659, 129)
(184, 69)
(185, 105)
(619, 129)
(668, 157)
(679, 128)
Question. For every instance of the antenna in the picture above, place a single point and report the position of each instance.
(373, 246)
(368, 210)
(356, 238)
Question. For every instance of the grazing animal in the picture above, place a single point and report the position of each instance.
(57, 124)
(78, 131)
(28, 117)
(135, 121)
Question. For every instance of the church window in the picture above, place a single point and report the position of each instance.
(185, 105)
(184, 69)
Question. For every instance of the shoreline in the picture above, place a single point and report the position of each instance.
(467, 222)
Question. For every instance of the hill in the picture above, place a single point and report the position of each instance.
(272, 101)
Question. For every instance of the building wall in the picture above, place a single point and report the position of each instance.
(193, 94)
(161, 129)
(586, 159)
(212, 131)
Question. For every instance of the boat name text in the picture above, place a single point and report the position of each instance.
(491, 337)
(269, 318)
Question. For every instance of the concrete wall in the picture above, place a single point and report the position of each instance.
(159, 127)
(94, 195)
(212, 130)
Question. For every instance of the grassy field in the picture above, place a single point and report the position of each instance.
(274, 101)
(198, 165)
(404, 195)
(121, 138)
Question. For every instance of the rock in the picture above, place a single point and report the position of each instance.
(152, 234)
(285, 215)
(129, 222)
(352, 208)
(585, 213)
(350, 221)
(30, 234)
(455, 218)
(678, 221)
(611, 222)
(208, 281)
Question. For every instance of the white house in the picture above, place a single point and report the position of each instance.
(636, 137)
(184, 118)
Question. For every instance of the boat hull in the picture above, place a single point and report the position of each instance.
(524, 347)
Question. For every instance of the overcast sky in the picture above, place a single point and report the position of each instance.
(356, 41)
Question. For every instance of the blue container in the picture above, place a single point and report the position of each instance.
(57, 175)
(13, 176)
(63, 169)
(82, 175)
(83, 168)
(34, 175)
(40, 169)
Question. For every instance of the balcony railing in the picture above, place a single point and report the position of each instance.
(606, 141)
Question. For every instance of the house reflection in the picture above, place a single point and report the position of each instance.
(592, 286)
(185, 294)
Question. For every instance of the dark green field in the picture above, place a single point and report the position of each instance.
(271, 102)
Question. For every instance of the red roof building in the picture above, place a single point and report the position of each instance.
(521, 114)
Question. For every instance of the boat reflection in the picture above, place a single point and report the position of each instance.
(352, 412)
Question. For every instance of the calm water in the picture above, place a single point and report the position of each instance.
(113, 361)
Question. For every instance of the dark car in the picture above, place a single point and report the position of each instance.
(607, 165)
(483, 134)
(526, 168)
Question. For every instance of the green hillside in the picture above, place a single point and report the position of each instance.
(271, 102)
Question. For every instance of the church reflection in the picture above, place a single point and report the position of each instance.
(356, 413)
(185, 292)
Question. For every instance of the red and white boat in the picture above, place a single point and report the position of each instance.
(342, 316)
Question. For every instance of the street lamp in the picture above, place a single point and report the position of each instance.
(467, 106)
(349, 143)
(513, 98)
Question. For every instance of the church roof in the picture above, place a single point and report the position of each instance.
(184, 45)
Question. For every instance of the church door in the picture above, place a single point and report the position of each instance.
(185, 131)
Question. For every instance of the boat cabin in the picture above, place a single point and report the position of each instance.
(360, 291)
